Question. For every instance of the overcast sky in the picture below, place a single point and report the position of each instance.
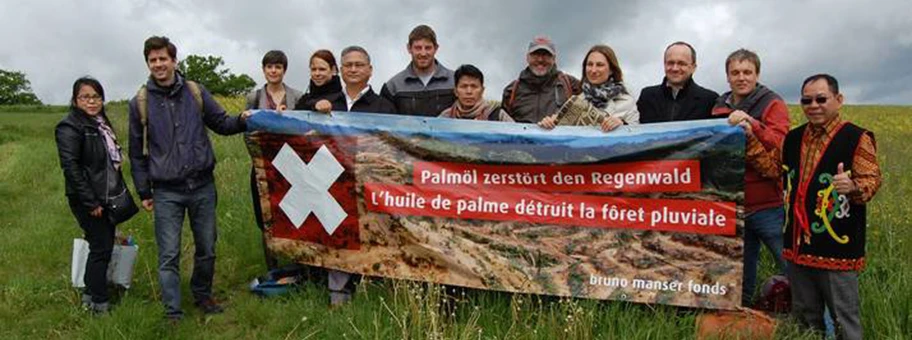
(866, 45)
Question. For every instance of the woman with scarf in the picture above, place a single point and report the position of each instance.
(603, 88)
(91, 161)
(470, 103)
(324, 83)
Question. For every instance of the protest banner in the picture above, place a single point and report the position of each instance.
(649, 213)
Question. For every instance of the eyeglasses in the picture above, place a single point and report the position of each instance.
(681, 64)
(819, 99)
(355, 65)
(89, 98)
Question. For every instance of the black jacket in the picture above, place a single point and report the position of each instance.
(693, 102)
(88, 172)
(316, 93)
(369, 102)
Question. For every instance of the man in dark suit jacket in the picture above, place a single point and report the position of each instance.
(678, 97)
(357, 95)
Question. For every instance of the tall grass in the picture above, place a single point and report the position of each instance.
(37, 302)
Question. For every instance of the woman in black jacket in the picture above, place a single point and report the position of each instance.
(91, 161)
(324, 81)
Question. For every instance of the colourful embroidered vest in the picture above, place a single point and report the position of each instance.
(823, 229)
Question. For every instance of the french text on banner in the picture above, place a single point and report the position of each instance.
(677, 215)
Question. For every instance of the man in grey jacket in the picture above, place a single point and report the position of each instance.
(424, 87)
(172, 164)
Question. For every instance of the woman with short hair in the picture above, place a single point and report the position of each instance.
(275, 95)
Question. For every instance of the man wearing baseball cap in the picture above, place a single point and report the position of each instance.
(541, 88)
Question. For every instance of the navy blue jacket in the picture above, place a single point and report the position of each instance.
(180, 152)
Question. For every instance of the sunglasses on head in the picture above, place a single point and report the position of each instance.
(820, 100)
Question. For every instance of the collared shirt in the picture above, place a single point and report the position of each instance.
(865, 171)
(351, 101)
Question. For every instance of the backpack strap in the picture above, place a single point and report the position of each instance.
(568, 87)
(142, 104)
(509, 103)
(196, 92)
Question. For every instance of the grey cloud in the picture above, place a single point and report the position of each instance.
(865, 45)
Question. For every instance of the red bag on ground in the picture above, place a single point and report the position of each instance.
(742, 324)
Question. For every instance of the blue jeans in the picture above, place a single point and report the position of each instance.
(761, 226)
(170, 206)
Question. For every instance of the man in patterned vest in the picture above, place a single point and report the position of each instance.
(829, 172)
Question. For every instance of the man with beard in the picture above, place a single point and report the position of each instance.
(424, 87)
(541, 88)
(678, 97)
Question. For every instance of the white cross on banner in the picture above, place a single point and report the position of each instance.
(310, 185)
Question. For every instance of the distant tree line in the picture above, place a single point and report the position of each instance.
(15, 88)
(219, 81)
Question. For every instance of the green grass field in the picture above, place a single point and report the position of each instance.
(36, 300)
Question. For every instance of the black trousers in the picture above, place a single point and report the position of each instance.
(99, 233)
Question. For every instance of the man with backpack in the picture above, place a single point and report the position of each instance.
(541, 88)
(172, 162)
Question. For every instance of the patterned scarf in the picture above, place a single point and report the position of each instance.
(600, 95)
(110, 140)
(481, 111)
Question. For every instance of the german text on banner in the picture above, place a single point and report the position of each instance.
(648, 214)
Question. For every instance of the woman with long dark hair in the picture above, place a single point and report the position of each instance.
(91, 160)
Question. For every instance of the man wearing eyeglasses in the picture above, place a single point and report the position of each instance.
(357, 95)
(678, 97)
(751, 103)
(829, 170)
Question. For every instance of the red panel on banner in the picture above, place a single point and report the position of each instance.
(346, 236)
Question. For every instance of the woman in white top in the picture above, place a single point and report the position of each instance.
(603, 87)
